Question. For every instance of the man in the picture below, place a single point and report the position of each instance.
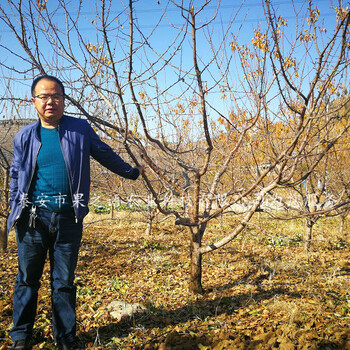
(49, 194)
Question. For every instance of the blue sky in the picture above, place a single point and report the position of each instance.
(148, 12)
(247, 15)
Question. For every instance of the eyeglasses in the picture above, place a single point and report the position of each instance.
(45, 98)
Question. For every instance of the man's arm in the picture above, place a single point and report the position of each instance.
(105, 155)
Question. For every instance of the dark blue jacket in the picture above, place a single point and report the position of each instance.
(78, 141)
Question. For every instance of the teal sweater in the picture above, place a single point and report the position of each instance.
(50, 185)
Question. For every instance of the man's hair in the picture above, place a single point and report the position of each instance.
(47, 77)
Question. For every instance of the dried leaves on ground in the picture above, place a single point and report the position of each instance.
(262, 291)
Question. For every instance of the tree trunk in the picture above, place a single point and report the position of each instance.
(149, 226)
(112, 210)
(308, 233)
(342, 224)
(3, 234)
(195, 284)
(310, 221)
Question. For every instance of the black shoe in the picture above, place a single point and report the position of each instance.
(23, 344)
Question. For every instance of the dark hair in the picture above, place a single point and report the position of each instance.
(47, 77)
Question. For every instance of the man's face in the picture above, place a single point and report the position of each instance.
(48, 102)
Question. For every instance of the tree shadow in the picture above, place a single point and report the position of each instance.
(160, 318)
(201, 309)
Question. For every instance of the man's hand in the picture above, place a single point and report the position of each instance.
(142, 169)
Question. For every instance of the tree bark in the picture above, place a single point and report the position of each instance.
(310, 222)
(308, 233)
(195, 284)
(3, 234)
(342, 224)
(149, 226)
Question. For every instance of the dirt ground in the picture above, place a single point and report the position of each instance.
(262, 291)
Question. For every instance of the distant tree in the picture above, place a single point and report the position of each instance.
(325, 190)
(7, 130)
(199, 107)
(4, 197)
